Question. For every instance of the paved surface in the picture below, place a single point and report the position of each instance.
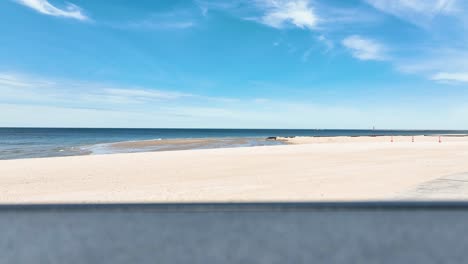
(236, 233)
(447, 187)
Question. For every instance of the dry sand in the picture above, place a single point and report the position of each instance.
(310, 169)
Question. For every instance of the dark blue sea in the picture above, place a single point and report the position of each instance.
(16, 143)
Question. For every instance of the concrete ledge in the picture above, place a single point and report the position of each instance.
(392, 232)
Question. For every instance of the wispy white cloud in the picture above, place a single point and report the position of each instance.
(329, 45)
(21, 87)
(66, 103)
(44, 7)
(334, 17)
(306, 54)
(33, 101)
(155, 24)
(441, 65)
(364, 48)
(418, 12)
(178, 19)
(438, 54)
(144, 94)
(207, 5)
(280, 13)
(7, 79)
(450, 76)
(19, 80)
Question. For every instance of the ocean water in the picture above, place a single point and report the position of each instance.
(16, 143)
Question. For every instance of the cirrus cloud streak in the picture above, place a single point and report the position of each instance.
(44, 7)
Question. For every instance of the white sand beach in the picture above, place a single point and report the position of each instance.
(308, 169)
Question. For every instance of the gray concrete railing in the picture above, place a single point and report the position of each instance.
(395, 232)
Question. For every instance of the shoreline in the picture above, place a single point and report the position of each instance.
(343, 169)
(21, 143)
(176, 144)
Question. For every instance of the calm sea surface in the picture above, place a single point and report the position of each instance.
(51, 142)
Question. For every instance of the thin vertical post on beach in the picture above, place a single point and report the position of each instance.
(440, 141)
(391, 140)
(412, 139)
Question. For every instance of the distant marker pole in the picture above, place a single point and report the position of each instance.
(412, 139)
(391, 140)
(440, 141)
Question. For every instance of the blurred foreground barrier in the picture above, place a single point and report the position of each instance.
(387, 232)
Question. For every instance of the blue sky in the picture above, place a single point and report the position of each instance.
(234, 64)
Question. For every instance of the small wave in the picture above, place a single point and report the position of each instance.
(106, 148)
(100, 148)
(138, 140)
